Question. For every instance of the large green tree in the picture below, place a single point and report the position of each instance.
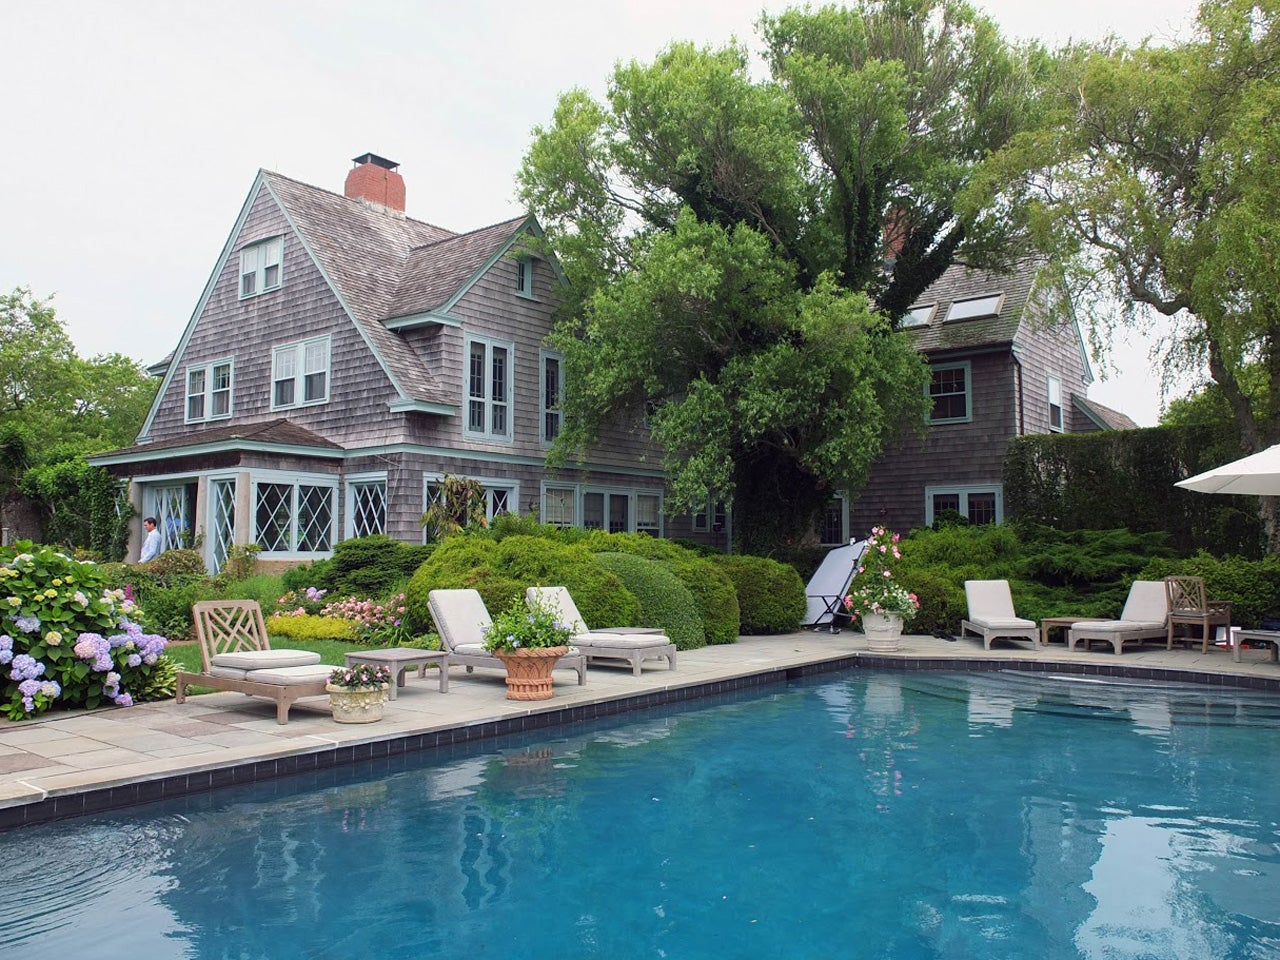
(1156, 185)
(55, 407)
(726, 238)
(52, 396)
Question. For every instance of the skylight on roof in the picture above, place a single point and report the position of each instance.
(919, 316)
(984, 306)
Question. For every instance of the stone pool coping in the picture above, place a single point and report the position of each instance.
(68, 765)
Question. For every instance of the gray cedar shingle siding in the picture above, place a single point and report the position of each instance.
(1011, 357)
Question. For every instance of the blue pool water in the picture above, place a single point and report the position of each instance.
(858, 816)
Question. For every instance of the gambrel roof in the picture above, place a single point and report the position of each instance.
(381, 265)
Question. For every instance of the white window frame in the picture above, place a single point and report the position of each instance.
(573, 501)
(492, 486)
(1055, 403)
(658, 528)
(208, 392)
(544, 410)
(963, 492)
(256, 262)
(920, 316)
(524, 277)
(974, 308)
(968, 391)
(349, 502)
(490, 403)
(299, 351)
(294, 480)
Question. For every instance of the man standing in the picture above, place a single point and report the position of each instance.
(151, 546)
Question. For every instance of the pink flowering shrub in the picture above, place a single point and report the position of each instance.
(300, 603)
(874, 590)
(65, 639)
(381, 624)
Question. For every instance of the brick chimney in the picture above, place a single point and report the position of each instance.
(375, 179)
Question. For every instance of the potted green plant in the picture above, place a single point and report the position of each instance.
(528, 639)
(356, 693)
(875, 598)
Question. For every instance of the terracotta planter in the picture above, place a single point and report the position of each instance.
(883, 630)
(356, 704)
(529, 671)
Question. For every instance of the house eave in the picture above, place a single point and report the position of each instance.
(406, 405)
(415, 321)
(221, 446)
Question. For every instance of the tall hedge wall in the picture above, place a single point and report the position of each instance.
(1125, 478)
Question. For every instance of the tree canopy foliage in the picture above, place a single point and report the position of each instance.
(1154, 183)
(56, 407)
(52, 397)
(725, 238)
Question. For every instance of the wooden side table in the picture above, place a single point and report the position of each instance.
(400, 659)
(1049, 622)
(1271, 637)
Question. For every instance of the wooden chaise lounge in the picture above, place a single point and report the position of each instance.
(236, 655)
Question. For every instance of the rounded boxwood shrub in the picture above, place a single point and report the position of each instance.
(501, 570)
(664, 601)
(712, 590)
(770, 594)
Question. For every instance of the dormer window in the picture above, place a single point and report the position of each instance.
(975, 307)
(260, 267)
(524, 277)
(920, 316)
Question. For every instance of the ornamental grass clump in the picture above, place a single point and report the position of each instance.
(67, 640)
(526, 627)
(361, 676)
(874, 589)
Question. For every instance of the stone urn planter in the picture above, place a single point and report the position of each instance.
(356, 693)
(883, 631)
(356, 704)
(529, 671)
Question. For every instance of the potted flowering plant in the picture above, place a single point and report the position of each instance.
(881, 603)
(529, 639)
(356, 692)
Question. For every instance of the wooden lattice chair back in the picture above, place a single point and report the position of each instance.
(1186, 595)
(229, 626)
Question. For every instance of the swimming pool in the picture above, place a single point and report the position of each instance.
(866, 815)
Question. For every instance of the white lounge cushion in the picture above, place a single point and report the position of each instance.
(305, 673)
(1116, 626)
(289, 676)
(1147, 603)
(620, 642)
(1003, 623)
(264, 659)
(471, 650)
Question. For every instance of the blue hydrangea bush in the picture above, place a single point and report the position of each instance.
(66, 639)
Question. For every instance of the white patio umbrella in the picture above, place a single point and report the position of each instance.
(1257, 474)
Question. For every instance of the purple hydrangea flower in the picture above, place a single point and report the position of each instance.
(124, 700)
(25, 667)
(6, 648)
(134, 660)
(27, 624)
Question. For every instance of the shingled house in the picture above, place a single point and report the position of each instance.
(343, 358)
(1003, 365)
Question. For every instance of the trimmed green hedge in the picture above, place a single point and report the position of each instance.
(1125, 478)
(770, 594)
(664, 601)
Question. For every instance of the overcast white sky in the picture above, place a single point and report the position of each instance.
(134, 130)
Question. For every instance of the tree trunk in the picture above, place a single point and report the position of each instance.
(1269, 512)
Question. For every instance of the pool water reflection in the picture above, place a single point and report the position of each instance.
(902, 815)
